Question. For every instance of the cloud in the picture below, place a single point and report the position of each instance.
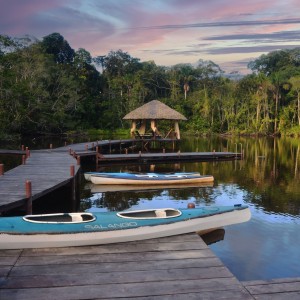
(249, 49)
(168, 31)
(226, 24)
(274, 36)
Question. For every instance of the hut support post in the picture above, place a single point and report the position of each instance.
(177, 131)
(143, 127)
(133, 129)
(154, 128)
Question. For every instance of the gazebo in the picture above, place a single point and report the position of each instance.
(153, 111)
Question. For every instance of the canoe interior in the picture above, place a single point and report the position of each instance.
(60, 218)
(149, 214)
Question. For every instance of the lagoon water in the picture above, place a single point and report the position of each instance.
(267, 179)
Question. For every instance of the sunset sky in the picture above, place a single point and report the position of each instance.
(227, 32)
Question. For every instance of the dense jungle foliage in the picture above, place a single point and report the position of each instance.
(48, 87)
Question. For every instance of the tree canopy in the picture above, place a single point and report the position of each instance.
(48, 87)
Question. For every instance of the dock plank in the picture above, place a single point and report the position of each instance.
(284, 288)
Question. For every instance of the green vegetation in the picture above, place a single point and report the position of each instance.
(47, 87)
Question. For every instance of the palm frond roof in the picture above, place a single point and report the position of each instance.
(154, 110)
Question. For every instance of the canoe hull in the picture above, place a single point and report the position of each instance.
(42, 240)
(151, 181)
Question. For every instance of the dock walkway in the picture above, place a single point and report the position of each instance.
(178, 267)
(46, 170)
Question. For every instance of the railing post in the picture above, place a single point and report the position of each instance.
(27, 152)
(72, 171)
(73, 187)
(28, 189)
(1, 169)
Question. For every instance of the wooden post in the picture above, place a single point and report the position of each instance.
(50, 146)
(86, 147)
(22, 148)
(23, 159)
(28, 189)
(70, 151)
(72, 171)
(1, 169)
(78, 160)
(27, 152)
(73, 186)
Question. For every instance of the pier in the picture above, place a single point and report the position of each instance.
(177, 267)
(46, 171)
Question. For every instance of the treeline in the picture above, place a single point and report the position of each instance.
(48, 87)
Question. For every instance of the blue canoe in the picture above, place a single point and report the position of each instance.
(79, 229)
(147, 178)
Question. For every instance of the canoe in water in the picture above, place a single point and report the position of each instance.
(147, 178)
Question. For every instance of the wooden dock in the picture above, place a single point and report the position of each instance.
(168, 157)
(179, 267)
(46, 170)
(84, 150)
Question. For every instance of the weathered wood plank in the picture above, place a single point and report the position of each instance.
(278, 296)
(114, 257)
(124, 290)
(59, 280)
(274, 286)
(116, 248)
(81, 268)
(211, 295)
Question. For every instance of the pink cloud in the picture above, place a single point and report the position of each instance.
(103, 25)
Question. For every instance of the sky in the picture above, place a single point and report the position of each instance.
(228, 32)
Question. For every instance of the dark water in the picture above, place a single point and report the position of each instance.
(267, 180)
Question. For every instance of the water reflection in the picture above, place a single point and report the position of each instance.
(267, 180)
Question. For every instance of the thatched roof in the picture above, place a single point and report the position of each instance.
(154, 110)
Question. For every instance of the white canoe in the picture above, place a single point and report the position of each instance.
(149, 178)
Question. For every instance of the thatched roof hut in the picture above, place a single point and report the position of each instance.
(153, 111)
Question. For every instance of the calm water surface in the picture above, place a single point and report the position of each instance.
(267, 180)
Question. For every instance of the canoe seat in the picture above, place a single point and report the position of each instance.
(161, 213)
(76, 218)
